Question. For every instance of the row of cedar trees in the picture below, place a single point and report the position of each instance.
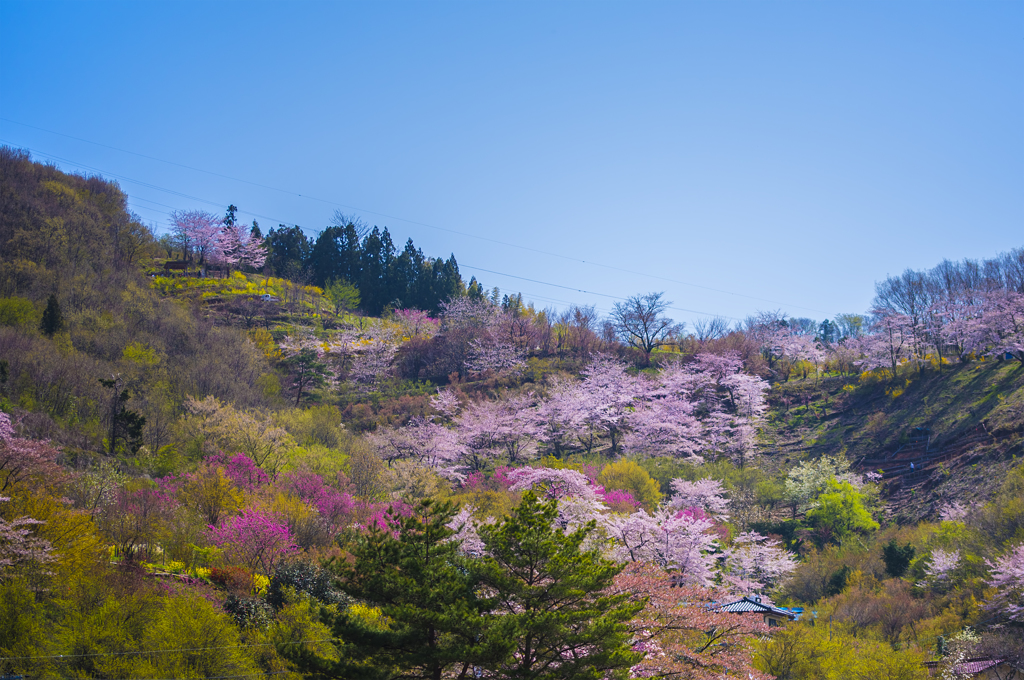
(369, 260)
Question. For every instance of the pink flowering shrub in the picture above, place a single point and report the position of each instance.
(254, 539)
(241, 470)
(334, 506)
(620, 500)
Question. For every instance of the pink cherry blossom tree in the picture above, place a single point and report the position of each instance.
(423, 441)
(493, 356)
(579, 500)
(237, 247)
(1008, 580)
(466, 534)
(890, 342)
(1001, 327)
(197, 233)
(416, 323)
(677, 541)
(500, 429)
(706, 494)
(755, 563)
(942, 563)
(19, 544)
(22, 459)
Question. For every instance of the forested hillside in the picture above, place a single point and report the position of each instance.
(224, 454)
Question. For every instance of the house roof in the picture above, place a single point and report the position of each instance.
(970, 666)
(977, 665)
(747, 604)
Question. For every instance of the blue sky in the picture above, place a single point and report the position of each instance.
(736, 155)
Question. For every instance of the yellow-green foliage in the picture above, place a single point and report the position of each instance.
(800, 651)
(76, 545)
(310, 298)
(139, 353)
(19, 312)
(262, 338)
(298, 629)
(370, 617)
(212, 426)
(627, 475)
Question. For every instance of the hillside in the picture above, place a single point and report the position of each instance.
(961, 427)
(195, 448)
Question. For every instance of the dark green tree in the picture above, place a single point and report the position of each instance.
(551, 590)
(52, 321)
(897, 559)
(290, 251)
(124, 425)
(430, 597)
(308, 371)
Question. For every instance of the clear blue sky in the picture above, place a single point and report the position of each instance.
(794, 152)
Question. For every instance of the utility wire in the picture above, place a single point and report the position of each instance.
(588, 292)
(489, 271)
(429, 226)
(154, 651)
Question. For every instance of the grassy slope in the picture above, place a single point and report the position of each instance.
(975, 414)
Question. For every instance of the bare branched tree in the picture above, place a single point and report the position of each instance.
(342, 219)
(640, 322)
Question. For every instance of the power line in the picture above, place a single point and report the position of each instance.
(154, 651)
(489, 271)
(587, 292)
(145, 184)
(429, 226)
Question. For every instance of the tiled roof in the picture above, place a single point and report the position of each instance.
(748, 605)
(977, 665)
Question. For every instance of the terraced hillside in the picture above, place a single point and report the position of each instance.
(933, 436)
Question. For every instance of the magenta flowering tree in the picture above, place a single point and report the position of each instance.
(1008, 580)
(334, 507)
(620, 500)
(255, 539)
(241, 470)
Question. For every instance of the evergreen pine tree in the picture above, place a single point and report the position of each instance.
(52, 321)
(429, 595)
(552, 591)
